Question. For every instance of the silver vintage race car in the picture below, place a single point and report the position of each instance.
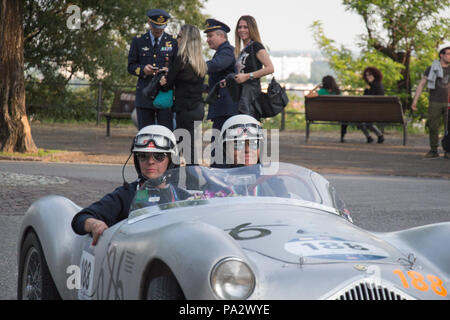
(277, 232)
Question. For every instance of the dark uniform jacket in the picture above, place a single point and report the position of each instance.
(142, 53)
(115, 206)
(222, 64)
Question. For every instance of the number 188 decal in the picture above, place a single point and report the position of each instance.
(418, 281)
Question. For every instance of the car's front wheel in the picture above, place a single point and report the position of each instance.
(35, 281)
(164, 287)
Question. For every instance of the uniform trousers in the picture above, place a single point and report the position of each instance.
(187, 119)
(147, 116)
(217, 124)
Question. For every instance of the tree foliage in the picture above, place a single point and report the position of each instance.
(401, 39)
(99, 47)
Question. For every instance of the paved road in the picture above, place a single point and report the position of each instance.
(376, 203)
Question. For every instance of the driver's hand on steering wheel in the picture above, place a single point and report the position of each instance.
(96, 228)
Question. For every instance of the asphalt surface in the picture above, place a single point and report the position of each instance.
(387, 187)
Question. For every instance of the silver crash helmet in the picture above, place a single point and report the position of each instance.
(241, 127)
(155, 139)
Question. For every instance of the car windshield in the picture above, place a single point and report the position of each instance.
(197, 185)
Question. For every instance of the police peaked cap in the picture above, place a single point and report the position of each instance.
(158, 18)
(213, 25)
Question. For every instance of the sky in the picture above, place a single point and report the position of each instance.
(285, 24)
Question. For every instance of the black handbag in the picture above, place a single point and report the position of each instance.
(274, 101)
(213, 94)
(152, 89)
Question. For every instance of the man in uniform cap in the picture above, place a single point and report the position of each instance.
(149, 53)
(222, 64)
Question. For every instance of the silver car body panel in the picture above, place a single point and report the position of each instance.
(297, 249)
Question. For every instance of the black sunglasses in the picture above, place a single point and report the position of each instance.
(157, 156)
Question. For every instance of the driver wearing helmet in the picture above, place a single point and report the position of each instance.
(153, 150)
(241, 137)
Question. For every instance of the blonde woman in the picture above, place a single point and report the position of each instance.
(252, 63)
(186, 77)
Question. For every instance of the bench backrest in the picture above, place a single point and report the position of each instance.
(354, 109)
(123, 101)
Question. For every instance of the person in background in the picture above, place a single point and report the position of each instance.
(186, 77)
(328, 87)
(373, 77)
(221, 64)
(252, 63)
(149, 53)
(437, 79)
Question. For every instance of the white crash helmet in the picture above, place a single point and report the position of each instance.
(155, 138)
(241, 127)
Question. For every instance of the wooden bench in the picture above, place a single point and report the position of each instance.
(122, 107)
(354, 110)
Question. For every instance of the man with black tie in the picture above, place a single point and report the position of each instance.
(149, 53)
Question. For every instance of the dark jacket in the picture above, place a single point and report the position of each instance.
(115, 206)
(112, 208)
(222, 63)
(142, 53)
(375, 89)
(187, 85)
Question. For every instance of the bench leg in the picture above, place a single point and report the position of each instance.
(405, 134)
(108, 120)
(307, 131)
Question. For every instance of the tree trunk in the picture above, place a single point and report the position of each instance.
(15, 131)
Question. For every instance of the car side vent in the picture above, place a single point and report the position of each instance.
(369, 291)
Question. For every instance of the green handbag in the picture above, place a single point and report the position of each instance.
(164, 99)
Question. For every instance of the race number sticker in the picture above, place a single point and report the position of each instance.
(87, 275)
(334, 249)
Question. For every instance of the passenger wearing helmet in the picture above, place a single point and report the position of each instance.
(241, 137)
(153, 149)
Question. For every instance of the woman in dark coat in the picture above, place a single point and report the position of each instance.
(372, 76)
(186, 77)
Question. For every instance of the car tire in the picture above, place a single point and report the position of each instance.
(164, 287)
(35, 281)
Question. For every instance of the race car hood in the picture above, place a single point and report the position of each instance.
(299, 233)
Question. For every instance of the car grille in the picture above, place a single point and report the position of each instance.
(369, 291)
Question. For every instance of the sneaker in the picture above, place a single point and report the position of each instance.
(369, 139)
(431, 154)
(380, 139)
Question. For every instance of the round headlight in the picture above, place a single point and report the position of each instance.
(232, 279)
